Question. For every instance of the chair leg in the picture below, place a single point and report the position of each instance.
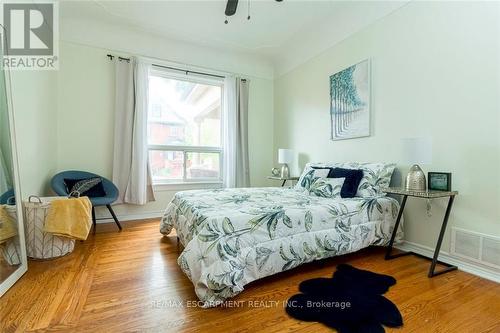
(114, 216)
(94, 224)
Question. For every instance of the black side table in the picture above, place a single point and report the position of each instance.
(426, 195)
(283, 179)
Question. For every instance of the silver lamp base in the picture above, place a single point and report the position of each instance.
(415, 179)
(285, 173)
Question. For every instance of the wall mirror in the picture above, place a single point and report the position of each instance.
(13, 261)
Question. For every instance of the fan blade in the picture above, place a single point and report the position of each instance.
(231, 7)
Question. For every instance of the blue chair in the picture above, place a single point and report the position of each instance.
(8, 198)
(111, 190)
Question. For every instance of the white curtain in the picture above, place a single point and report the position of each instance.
(236, 166)
(131, 172)
(242, 165)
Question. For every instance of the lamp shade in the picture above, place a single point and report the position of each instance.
(285, 156)
(417, 150)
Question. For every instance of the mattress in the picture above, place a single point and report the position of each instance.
(232, 237)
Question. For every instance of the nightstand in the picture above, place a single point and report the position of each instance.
(283, 179)
(425, 195)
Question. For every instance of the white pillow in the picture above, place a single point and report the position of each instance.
(326, 187)
(308, 176)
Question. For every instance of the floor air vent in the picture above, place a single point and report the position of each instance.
(475, 246)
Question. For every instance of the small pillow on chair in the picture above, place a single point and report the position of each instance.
(352, 179)
(87, 187)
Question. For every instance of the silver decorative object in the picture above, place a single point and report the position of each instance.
(285, 173)
(415, 179)
(275, 172)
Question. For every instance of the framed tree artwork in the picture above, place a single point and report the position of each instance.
(350, 102)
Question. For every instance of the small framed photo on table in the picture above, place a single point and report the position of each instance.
(439, 181)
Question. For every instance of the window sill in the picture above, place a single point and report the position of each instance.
(169, 187)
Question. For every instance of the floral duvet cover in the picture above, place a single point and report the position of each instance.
(232, 237)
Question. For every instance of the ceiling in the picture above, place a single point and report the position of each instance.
(275, 30)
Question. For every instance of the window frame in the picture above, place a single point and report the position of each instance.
(169, 184)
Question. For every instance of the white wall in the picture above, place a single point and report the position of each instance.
(435, 72)
(5, 145)
(34, 99)
(86, 115)
(124, 39)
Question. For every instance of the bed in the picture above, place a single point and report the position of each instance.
(232, 237)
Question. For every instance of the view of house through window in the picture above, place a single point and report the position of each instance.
(184, 128)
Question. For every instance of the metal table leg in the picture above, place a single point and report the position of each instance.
(435, 260)
(388, 254)
(94, 220)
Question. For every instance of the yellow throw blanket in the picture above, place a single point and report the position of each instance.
(8, 227)
(70, 218)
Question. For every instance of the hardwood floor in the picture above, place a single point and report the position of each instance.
(6, 270)
(129, 281)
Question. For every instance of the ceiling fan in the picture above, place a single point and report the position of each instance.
(232, 5)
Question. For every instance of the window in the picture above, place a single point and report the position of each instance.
(155, 111)
(184, 128)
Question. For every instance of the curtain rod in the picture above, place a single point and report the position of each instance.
(110, 56)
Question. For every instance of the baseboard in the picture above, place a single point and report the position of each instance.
(469, 267)
(130, 217)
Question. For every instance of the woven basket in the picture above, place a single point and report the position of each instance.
(11, 250)
(40, 244)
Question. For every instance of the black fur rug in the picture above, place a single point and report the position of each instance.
(350, 302)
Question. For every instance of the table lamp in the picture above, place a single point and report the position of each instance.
(285, 156)
(417, 151)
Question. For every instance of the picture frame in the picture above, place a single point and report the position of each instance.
(439, 181)
(350, 99)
